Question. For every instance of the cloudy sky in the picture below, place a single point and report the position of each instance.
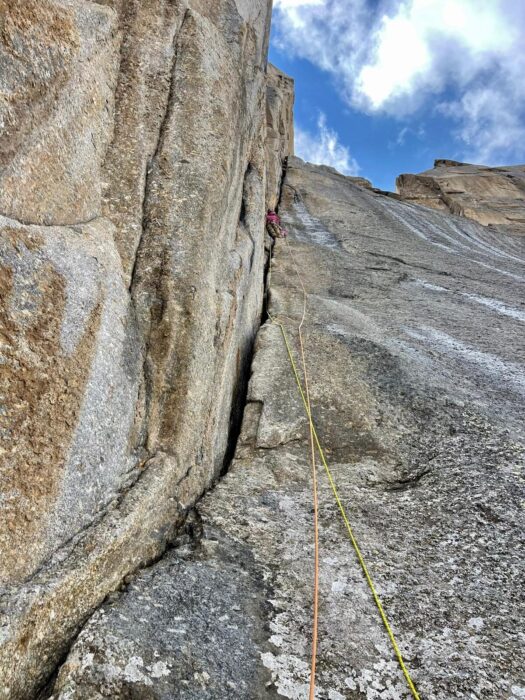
(386, 86)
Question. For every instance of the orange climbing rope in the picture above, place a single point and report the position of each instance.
(306, 398)
(305, 395)
(316, 507)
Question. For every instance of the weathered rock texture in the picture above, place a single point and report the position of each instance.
(491, 196)
(132, 200)
(279, 130)
(414, 332)
(142, 141)
(59, 62)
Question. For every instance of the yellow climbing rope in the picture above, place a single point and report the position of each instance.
(313, 431)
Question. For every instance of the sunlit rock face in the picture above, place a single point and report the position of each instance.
(142, 142)
(279, 130)
(492, 196)
(133, 186)
(413, 336)
(59, 63)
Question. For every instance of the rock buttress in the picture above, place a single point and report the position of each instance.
(133, 178)
(279, 130)
(417, 382)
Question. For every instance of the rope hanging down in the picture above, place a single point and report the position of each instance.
(315, 501)
(313, 432)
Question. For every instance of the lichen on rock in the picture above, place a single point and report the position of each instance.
(133, 178)
(155, 503)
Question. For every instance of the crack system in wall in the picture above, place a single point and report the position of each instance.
(190, 529)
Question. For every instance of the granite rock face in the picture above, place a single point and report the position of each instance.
(279, 130)
(212, 592)
(132, 200)
(70, 378)
(59, 64)
(142, 142)
(417, 375)
(490, 196)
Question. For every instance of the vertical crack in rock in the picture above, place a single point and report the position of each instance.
(244, 356)
(189, 531)
(192, 182)
(420, 417)
(148, 183)
(160, 136)
(132, 590)
(244, 362)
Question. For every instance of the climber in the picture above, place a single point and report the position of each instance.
(273, 225)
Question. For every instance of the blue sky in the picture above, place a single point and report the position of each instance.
(386, 86)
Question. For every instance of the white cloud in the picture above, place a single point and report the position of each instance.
(427, 43)
(288, 5)
(324, 148)
(293, 10)
(401, 137)
(407, 132)
(394, 56)
(489, 125)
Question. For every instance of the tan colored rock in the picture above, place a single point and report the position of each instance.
(197, 282)
(279, 130)
(70, 374)
(149, 29)
(127, 338)
(492, 196)
(59, 64)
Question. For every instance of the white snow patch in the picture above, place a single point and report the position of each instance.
(432, 287)
(498, 306)
(313, 230)
(490, 303)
